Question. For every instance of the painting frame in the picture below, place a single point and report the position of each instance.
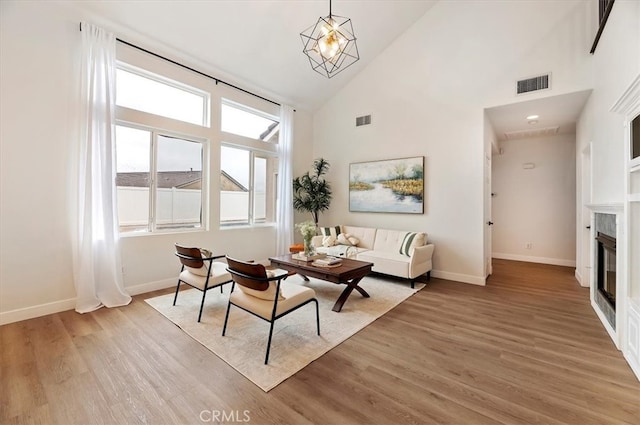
(387, 186)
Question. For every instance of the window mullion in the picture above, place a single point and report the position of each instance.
(251, 187)
(154, 182)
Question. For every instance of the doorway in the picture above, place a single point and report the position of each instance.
(585, 266)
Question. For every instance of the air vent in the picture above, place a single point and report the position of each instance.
(363, 120)
(533, 84)
(535, 132)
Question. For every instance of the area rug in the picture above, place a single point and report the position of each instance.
(295, 343)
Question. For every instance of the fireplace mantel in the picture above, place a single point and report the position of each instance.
(609, 208)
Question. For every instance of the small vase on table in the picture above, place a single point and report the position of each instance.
(309, 249)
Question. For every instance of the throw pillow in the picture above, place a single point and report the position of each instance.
(343, 239)
(328, 241)
(411, 241)
(347, 239)
(330, 231)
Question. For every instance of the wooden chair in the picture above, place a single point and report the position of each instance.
(202, 273)
(265, 295)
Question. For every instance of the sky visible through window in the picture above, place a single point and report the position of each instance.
(145, 94)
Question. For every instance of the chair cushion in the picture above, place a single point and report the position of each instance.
(293, 295)
(269, 293)
(219, 275)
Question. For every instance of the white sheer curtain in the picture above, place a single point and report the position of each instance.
(284, 213)
(97, 263)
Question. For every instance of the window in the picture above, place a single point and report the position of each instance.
(165, 144)
(247, 122)
(160, 160)
(248, 165)
(143, 91)
(173, 197)
(133, 178)
(246, 181)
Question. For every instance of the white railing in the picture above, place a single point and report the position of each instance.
(182, 206)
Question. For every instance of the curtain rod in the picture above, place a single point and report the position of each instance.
(217, 80)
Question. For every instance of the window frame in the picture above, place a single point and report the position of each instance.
(131, 58)
(140, 72)
(152, 223)
(254, 153)
(256, 148)
(224, 101)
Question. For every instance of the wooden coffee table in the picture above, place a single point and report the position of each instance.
(349, 272)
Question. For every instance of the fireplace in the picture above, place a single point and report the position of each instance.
(606, 268)
(604, 262)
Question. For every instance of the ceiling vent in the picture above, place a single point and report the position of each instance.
(534, 132)
(533, 84)
(363, 120)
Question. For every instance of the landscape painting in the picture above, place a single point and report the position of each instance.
(389, 186)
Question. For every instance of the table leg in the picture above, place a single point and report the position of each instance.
(351, 285)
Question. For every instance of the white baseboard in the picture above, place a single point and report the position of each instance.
(635, 367)
(459, 277)
(605, 323)
(580, 279)
(25, 313)
(32, 312)
(530, 259)
(151, 286)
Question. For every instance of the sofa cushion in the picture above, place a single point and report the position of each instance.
(392, 263)
(389, 240)
(410, 241)
(365, 235)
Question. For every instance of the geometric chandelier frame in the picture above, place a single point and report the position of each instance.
(330, 44)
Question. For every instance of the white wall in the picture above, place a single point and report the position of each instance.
(39, 44)
(600, 131)
(616, 62)
(535, 206)
(427, 93)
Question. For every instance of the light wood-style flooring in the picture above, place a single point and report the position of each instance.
(526, 349)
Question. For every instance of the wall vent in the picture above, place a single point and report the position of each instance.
(532, 84)
(363, 120)
(536, 132)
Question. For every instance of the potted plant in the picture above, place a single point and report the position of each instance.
(311, 192)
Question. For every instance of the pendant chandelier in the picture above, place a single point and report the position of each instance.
(330, 44)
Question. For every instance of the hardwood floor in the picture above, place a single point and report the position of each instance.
(525, 349)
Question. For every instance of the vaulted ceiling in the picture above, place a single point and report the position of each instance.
(256, 43)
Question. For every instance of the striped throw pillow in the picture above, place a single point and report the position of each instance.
(411, 241)
(331, 231)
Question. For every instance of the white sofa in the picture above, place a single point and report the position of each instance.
(383, 248)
